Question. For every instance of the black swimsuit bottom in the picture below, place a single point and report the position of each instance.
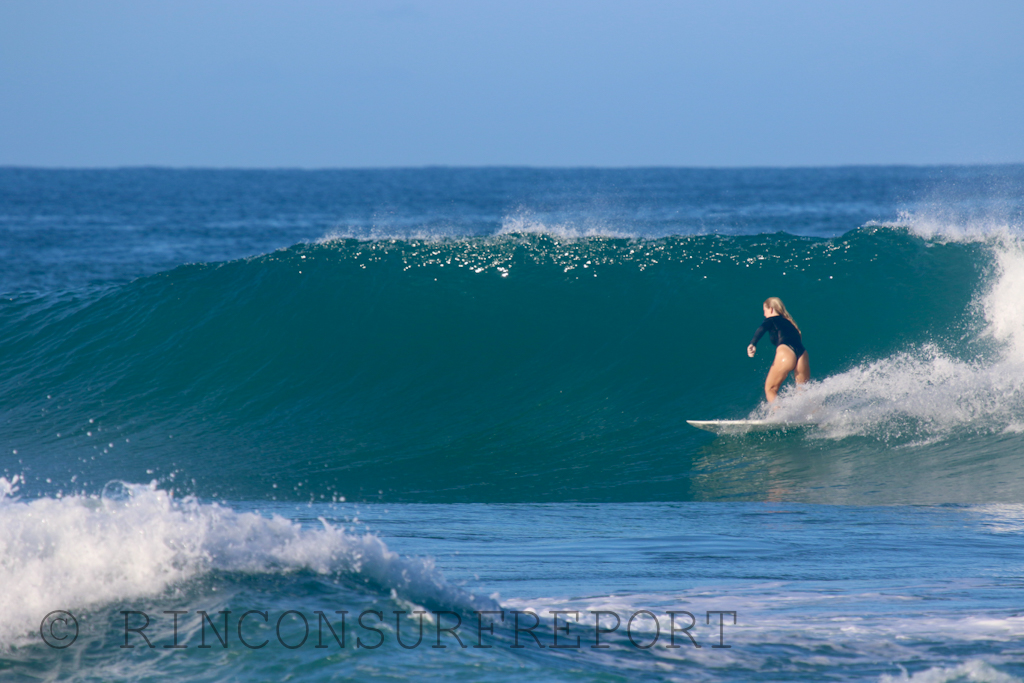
(780, 331)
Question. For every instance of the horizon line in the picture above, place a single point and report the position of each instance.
(481, 167)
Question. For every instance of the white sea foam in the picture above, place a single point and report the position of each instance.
(775, 612)
(391, 234)
(526, 224)
(816, 629)
(972, 670)
(517, 224)
(942, 225)
(927, 391)
(136, 541)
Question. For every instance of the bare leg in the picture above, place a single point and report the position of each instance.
(803, 369)
(785, 363)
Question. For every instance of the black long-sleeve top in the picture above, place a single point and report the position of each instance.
(780, 331)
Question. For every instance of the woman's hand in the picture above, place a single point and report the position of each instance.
(750, 350)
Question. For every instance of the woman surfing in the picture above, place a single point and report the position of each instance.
(790, 353)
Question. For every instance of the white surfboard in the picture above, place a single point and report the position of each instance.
(745, 426)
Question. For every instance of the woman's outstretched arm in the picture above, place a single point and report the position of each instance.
(752, 347)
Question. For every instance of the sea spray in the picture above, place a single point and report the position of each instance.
(934, 389)
(137, 541)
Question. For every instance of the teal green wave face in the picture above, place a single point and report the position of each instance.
(518, 367)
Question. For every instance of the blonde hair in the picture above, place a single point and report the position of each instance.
(775, 303)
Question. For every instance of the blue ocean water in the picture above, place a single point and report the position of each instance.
(460, 395)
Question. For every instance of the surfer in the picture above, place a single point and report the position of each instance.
(790, 353)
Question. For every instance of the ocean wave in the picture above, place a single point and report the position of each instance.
(82, 551)
(472, 369)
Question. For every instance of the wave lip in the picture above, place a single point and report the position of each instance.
(76, 552)
(524, 224)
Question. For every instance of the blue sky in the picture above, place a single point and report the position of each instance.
(312, 83)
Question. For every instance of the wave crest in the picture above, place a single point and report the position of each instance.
(83, 551)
